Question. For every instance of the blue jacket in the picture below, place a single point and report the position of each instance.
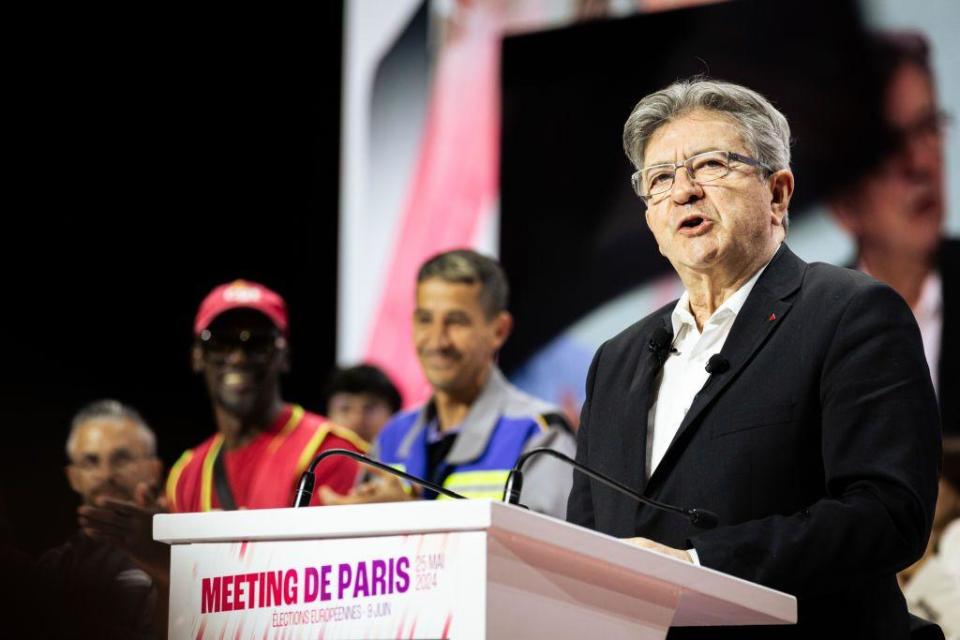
(502, 423)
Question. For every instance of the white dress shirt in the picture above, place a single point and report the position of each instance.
(684, 372)
(929, 314)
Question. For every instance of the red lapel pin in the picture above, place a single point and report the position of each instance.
(772, 317)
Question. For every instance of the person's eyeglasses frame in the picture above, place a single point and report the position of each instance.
(118, 463)
(262, 350)
(731, 156)
(932, 126)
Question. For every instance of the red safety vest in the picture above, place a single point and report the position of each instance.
(264, 472)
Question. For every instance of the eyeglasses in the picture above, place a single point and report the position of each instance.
(118, 462)
(258, 346)
(703, 167)
(928, 127)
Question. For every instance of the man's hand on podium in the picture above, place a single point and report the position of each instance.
(383, 488)
(646, 543)
(129, 526)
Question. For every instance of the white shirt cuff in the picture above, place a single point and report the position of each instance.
(693, 556)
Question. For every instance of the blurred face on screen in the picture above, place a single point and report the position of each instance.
(455, 340)
(899, 208)
(722, 226)
(109, 458)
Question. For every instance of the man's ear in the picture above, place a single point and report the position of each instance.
(73, 477)
(781, 190)
(196, 358)
(502, 327)
(283, 351)
(155, 471)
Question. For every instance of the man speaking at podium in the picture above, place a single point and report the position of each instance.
(792, 399)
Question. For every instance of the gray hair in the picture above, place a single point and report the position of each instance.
(110, 409)
(466, 266)
(765, 130)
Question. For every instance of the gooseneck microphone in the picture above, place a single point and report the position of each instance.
(307, 480)
(511, 491)
(717, 364)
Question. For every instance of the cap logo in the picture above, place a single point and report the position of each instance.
(241, 294)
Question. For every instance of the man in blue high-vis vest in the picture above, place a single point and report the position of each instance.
(470, 433)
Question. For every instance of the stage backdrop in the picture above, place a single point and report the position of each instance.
(497, 125)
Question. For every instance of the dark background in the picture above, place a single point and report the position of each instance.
(155, 156)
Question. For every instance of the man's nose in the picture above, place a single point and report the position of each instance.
(351, 418)
(437, 335)
(236, 355)
(102, 471)
(922, 155)
(685, 188)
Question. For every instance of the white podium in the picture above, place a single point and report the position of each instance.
(450, 569)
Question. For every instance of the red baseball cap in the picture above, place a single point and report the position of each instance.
(241, 294)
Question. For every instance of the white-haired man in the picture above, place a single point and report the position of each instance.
(99, 589)
(792, 399)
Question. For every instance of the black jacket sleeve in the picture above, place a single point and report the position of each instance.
(880, 446)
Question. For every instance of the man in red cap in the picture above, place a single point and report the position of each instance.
(262, 444)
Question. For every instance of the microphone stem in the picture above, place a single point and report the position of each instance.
(384, 467)
(610, 482)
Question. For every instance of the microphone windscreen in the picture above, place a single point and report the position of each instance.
(717, 364)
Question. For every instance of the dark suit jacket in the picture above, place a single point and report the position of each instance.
(818, 448)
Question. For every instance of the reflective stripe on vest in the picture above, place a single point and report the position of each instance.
(477, 484)
(206, 469)
(174, 478)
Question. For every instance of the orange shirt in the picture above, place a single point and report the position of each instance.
(264, 473)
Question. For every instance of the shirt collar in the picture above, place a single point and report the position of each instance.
(930, 303)
(682, 315)
(476, 429)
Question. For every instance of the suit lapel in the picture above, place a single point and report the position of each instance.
(631, 469)
(762, 313)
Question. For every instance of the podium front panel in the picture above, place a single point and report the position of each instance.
(407, 586)
(462, 569)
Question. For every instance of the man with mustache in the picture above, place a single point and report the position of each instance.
(791, 399)
(99, 589)
(468, 436)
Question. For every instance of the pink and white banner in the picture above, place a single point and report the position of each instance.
(421, 151)
(417, 586)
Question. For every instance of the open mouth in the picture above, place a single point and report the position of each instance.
(692, 222)
(238, 379)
